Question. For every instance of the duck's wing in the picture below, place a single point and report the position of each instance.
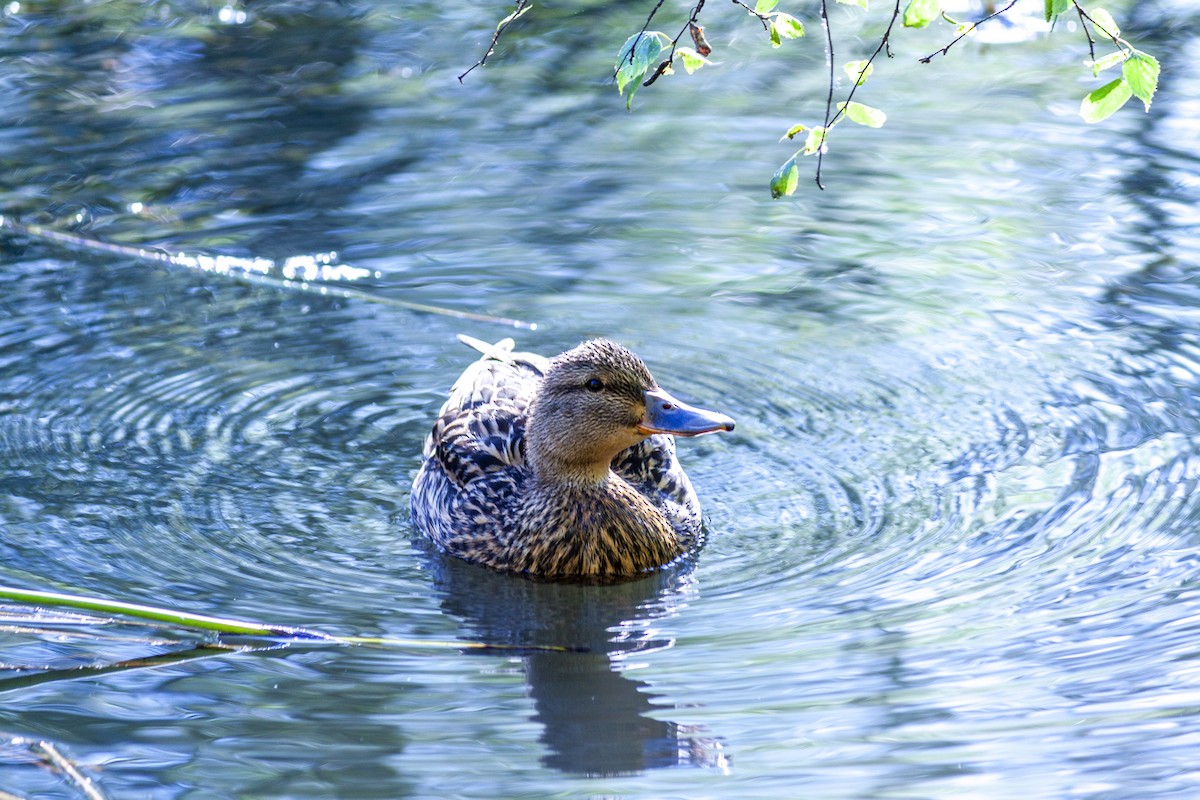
(654, 471)
(481, 427)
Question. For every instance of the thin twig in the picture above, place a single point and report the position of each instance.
(829, 96)
(1091, 42)
(670, 59)
(884, 43)
(64, 765)
(238, 269)
(763, 18)
(971, 29)
(504, 23)
(1117, 41)
(637, 38)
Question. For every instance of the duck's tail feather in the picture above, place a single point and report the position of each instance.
(500, 351)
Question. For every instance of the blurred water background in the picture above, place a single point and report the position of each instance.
(953, 543)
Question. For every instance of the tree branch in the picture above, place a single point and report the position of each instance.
(883, 44)
(763, 18)
(691, 26)
(829, 96)
(966, 33)
(521, 8)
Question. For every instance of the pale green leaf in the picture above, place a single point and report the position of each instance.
(863, 115)
(1110, 60)
(919, 13)
(1104, 102)
(1105, 24)
(692, 60)
(1056, 7)
(858, 71)
(789, 27)
(815, 142)
(638, 55)
(763, 6)
(1141, 73)
(860, 3)
(786, 179)
(792, 131)
(776, 39)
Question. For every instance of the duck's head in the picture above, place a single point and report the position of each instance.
(598, 399)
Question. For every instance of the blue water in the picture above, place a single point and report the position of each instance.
(952, 542)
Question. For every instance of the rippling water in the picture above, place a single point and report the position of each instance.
(952, 543)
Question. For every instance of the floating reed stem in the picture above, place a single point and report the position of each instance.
(236, 627)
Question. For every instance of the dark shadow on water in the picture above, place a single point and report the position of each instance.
(596, 720)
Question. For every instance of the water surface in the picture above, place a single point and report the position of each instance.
(952, 543)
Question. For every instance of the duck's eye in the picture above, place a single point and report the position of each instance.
(594, 385)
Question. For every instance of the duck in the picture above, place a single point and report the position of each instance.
(562, 468)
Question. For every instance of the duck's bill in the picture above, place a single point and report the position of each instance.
(665, 414)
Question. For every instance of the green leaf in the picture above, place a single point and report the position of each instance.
(639, 53)
(815, 142)
(1056, 7)
(1141, 73)
(792, 131)
(858, 71)
(776, 39)
(692, 60)
(1104, 22)
(1110, 60)
(763, 6)
(860, 3)
(919, 13)
(1104, 102)
(863, 115)
(789, 27)
(786, 179)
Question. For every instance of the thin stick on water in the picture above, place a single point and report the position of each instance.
(243, 269)
(56, 759)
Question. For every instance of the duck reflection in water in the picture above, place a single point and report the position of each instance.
(564, 469)
(596, 720)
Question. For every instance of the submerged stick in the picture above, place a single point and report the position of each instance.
(56, 759)
(250, 270)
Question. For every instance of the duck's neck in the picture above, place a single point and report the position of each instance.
(553, 461)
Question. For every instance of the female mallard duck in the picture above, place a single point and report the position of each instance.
(560, 468)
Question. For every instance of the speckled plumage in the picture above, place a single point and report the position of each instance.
(515, 494)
